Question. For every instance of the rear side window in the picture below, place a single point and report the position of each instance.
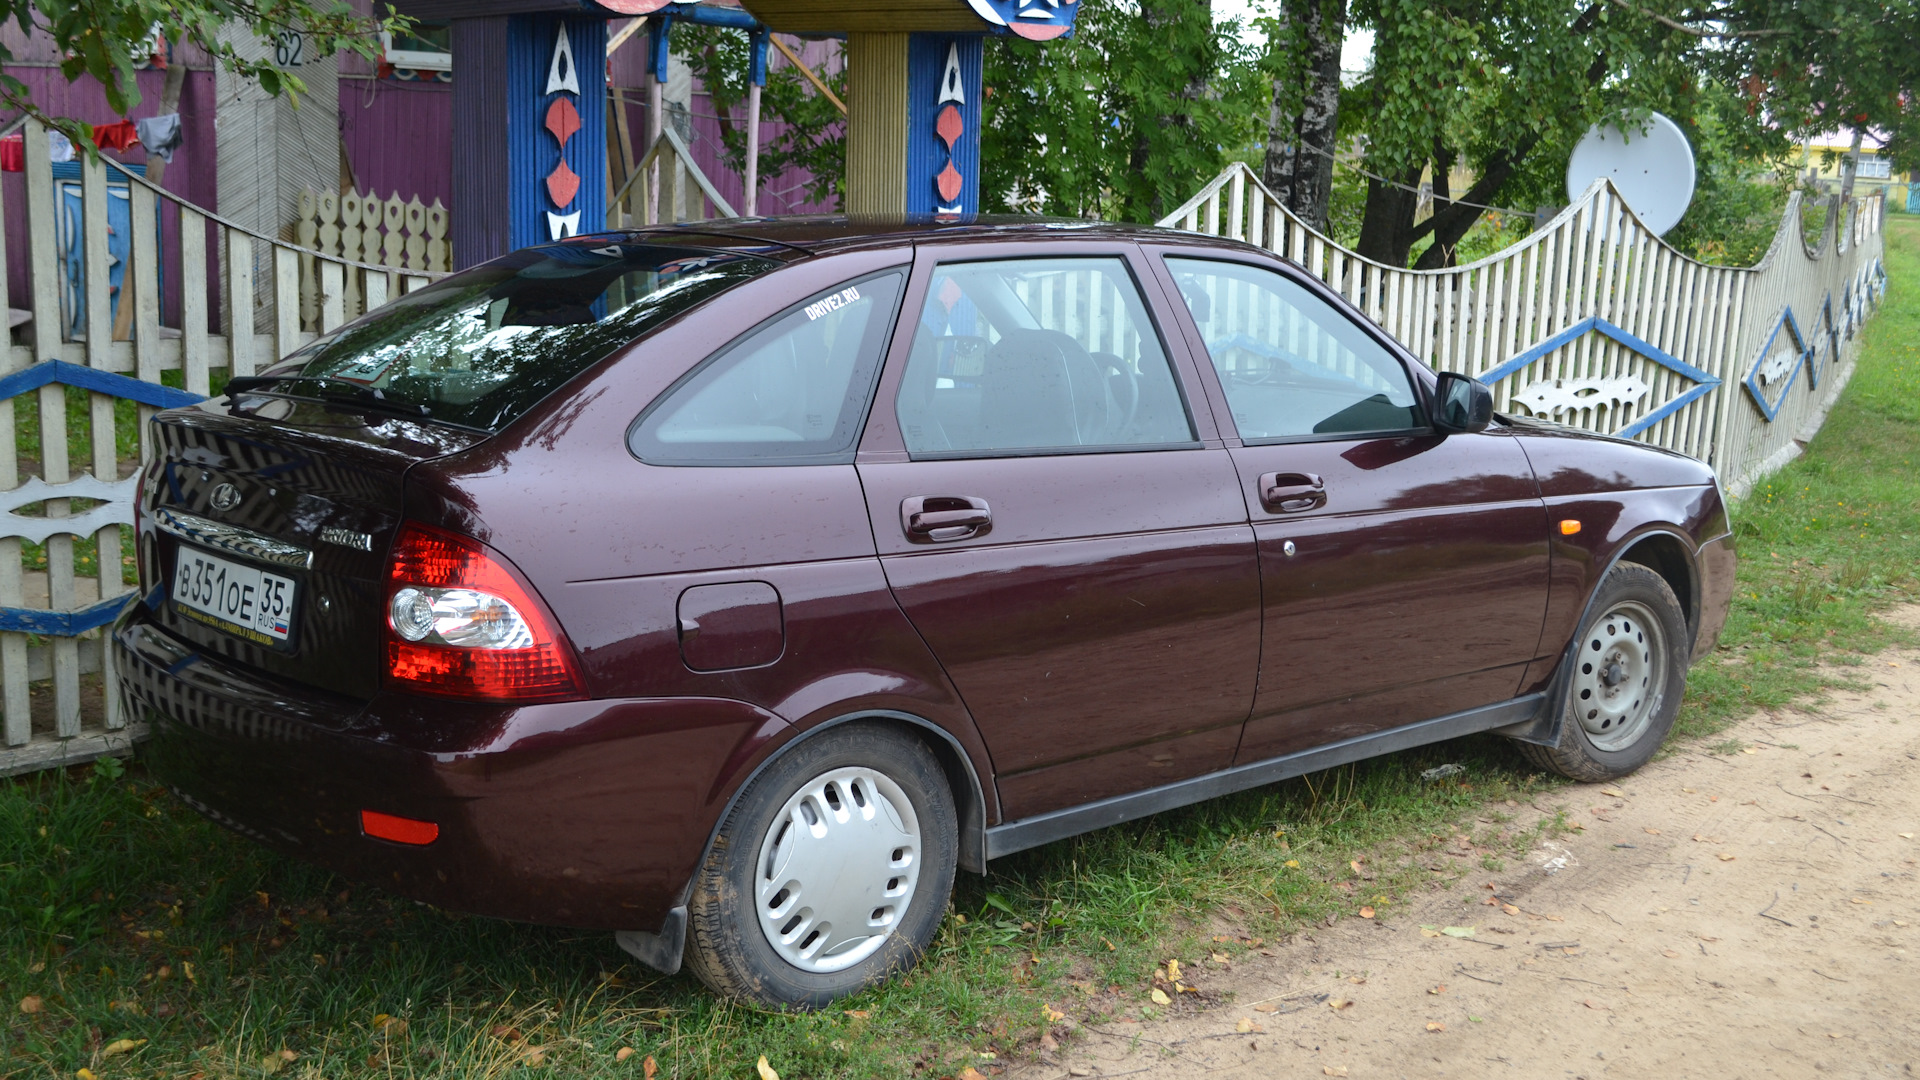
(482, 347)
(1043, 356)
(1290, 363)
(794, 391)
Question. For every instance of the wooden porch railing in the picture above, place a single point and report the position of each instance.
(666, 187)
(1594, 321)
(64, 568)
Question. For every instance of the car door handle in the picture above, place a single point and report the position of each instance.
(934, 519)
(1290, 493)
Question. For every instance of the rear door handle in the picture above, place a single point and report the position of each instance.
(935, 519)
(1290, 493)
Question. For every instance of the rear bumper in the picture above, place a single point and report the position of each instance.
(1717, 567)
(590, 814)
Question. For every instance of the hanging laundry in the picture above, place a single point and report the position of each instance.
(115, 136)
(13, 154)
(59, 147)
(160, 135)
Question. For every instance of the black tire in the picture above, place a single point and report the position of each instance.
(1630, 591)
(727, 947)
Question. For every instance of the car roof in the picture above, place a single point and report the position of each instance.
(824, 234)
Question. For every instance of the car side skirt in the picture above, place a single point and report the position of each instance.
(1520, 712)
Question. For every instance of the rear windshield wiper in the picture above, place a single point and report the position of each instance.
(333, 391)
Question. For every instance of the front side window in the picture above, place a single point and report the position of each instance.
(1291, 364)
(1037, 356)
(482, 347)
(794, 391)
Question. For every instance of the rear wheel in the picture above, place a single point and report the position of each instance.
(1628, 674)
(831, 872)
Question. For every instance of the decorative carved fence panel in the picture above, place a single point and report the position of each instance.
(1595, 322)
(65, 564)
(360, 227)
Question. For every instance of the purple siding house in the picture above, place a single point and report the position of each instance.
(395, 132)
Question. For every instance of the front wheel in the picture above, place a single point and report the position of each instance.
(1628, 674)
(831, 872)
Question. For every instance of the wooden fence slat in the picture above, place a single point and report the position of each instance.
(286, 302)
(239, 314)
(193, 304)
(16, 718)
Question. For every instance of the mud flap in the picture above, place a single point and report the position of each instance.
(660, 951)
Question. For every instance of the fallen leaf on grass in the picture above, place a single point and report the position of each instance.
(1248, 1027)
(766, 1070)
(1366, 913)
(1510, 909)
(1651, 831)
(1340, 1003)
(1266, 1006)
(1577, 826)
(1435, 1025)
(1160, 997)
(1615, 792)
(121, 1046)
(1355, 864)
(623, 1053)
(389, 1027)
(858, 1014)
(1457, 931)
(85, 1074)
(649, 1067)
(506, 1032)
(31, 1004)
(1334, 1070)
(1219, 957)
(1724, 857)
(1356, 980)
(1052, 1014)
(1698, 839)
(1428, 931)
(1173, 969)
(971, 1073)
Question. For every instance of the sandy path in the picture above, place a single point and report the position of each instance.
(1675, 973)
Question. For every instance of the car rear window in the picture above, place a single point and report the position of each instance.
(482, 347)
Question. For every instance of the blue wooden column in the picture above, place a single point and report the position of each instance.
(943, 123)
(529, 132)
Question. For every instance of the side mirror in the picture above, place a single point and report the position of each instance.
(1462, 403)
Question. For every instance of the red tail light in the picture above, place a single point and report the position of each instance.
(460, 624)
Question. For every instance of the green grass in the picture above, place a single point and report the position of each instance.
(129, 917)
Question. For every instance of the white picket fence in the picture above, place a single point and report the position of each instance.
(1594, 321)
(57, 699)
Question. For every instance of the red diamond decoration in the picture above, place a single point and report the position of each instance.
(949, 126)
(562, 183)
(563, 119)
(949, 183)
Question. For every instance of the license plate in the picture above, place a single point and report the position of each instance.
(233, 597)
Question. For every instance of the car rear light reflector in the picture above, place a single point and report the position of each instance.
(461, 624)
(400, 830)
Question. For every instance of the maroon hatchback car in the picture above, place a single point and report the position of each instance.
(729, 586)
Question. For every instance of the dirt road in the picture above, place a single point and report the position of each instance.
(1754, 914)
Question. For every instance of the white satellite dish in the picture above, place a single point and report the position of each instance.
(1652, 169)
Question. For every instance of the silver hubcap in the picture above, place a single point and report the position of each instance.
(837, 869)
(1620, 675)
